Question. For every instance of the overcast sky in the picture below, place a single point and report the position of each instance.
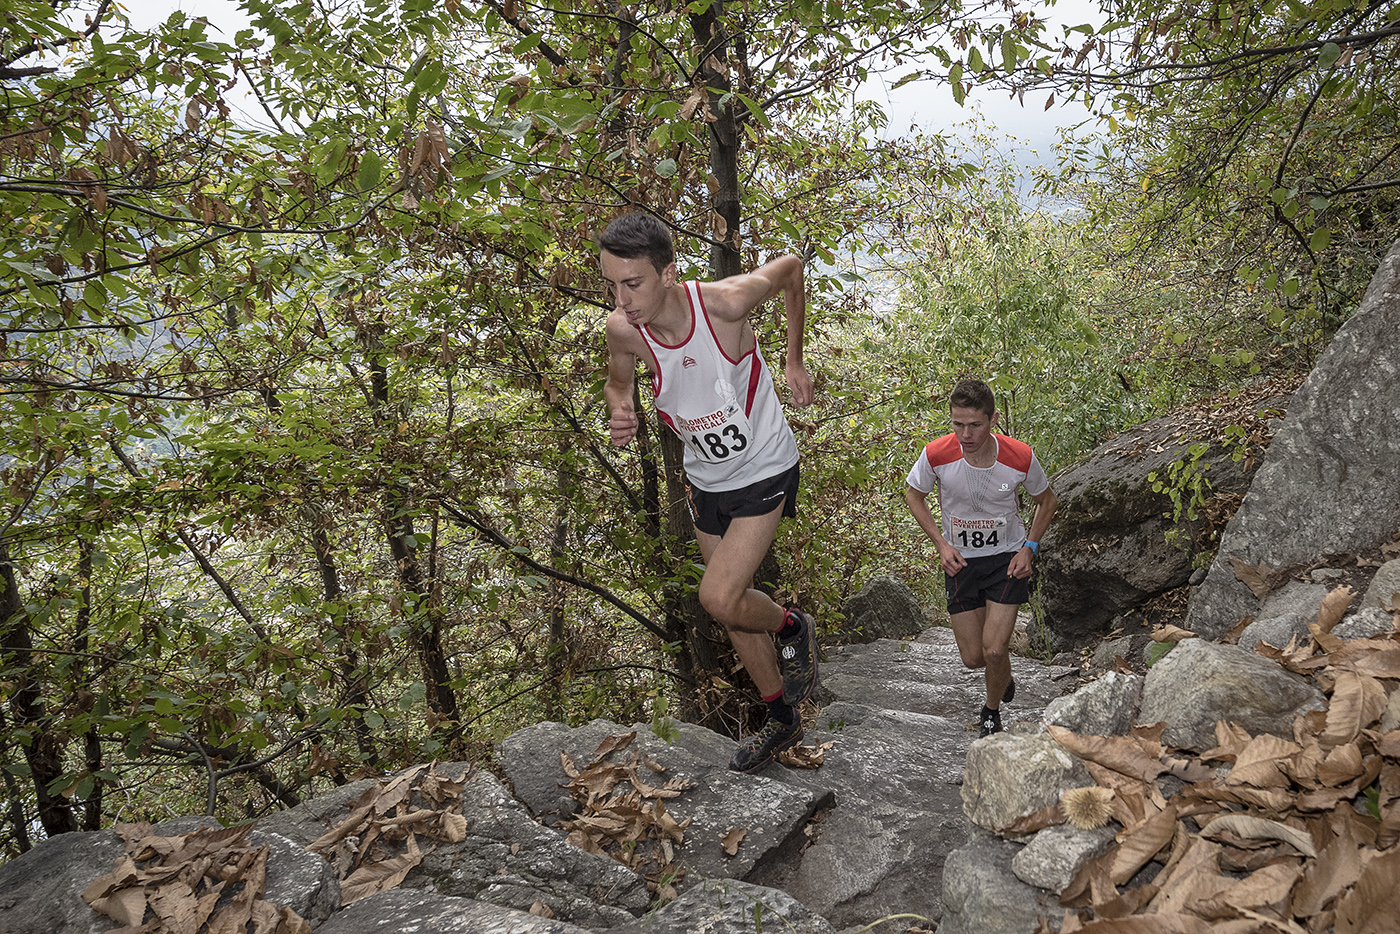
(926, 105)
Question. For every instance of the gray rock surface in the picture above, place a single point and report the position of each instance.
(407, 910)
(1042, 769)
(885, 807)
(1364, 624)
(1127, 650)
(1200, 682)
(1113, 544)
(1284, 614)
(1330, 481)
(1052, 857)
(927, 676)
(983, 896)
(885, 608)
(772, 814)
(1104, 707)
(41, 890)
(1383, 588)
(507, 858)
(727, 907)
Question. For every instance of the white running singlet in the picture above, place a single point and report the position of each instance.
(726, 412)
(978, 504)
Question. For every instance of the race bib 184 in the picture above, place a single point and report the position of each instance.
(977, 533)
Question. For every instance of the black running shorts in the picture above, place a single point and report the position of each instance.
(983, 580)
(713, 511)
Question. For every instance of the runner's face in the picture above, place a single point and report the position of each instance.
(973, 428)
(638, 290)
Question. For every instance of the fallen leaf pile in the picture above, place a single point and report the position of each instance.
(209, 880)
(631, 823)
(377, 844)
(805, 757)
(1261, 834)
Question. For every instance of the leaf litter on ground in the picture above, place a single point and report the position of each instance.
(1262, 833)
(208, 880)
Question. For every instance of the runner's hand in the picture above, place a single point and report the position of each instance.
(952, 560)
(800, 382)
(1020, 566)
(623, 426)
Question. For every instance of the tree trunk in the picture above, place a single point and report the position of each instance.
(425, 623)
(43, 752)
(712, 49)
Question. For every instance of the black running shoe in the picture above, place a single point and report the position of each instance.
(990, 722)
(1010, 694)
(797, 659)
(760, 749)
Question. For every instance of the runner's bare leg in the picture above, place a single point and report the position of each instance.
(982, 636)
(726, 591)
(996, 636)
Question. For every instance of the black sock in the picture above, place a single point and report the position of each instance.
(778, 709)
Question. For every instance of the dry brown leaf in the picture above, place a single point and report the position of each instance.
(1341, 766)
(1230, 740)
(1125, 754)
(1048, 816)
(381, 876)
(1369, 908)
(1262, 762)
(1376, 658)
(1196, 878)
(612, 744)
(1266, 888)
(127, 906)
(453, 827)
(805, 757)
(1249, 827)
(1259, 580)
(1334, 871)
(1170, 633)
(1356, 703)
(731, 840)
(1334, 607)
(1137, 845)
(540, 910)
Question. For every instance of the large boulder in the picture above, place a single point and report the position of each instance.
(1114, 543)
(1330, 483)
(505, 857)
(1199, 683)
(885, 608)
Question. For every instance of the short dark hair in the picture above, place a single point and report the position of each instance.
(639, 234)
(973, 394)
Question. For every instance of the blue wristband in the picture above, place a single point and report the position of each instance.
(1033, 546)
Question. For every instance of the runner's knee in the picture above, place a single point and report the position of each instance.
(721, 603)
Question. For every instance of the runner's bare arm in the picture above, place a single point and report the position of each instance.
(1044, 508)
(622, 376)
(949, 556)
(735, 298)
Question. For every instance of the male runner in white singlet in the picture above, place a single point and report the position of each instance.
(982, 543)
(712, 387)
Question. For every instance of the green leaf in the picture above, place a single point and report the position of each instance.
(666, 168)
(371, 167)
(1319, 240)
(1327, 56)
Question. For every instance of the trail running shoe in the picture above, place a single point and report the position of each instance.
(990, 721)
(1010, 694)
(797, 659)
(760, 749)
